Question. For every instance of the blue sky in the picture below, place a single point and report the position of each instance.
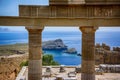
(10, 8)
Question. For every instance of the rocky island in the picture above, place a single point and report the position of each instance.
(71, 51)
(54, 45)
(58, 44)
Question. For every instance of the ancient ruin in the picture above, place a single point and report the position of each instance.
(87, 14)
(105, 55)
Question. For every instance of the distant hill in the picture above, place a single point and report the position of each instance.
(3, 29)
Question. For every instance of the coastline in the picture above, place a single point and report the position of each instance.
(63, 58)
(59, 56)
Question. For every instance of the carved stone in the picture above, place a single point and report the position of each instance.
(87, 2)
(88, 60)
(35, 54)
(66, 2)
(102, 2)
(77, 11)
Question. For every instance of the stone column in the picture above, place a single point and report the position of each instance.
(88, 60)
(35, 54)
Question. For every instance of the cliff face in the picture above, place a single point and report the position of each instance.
(10, 66)
(54, 45)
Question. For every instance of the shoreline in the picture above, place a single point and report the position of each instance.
(101, 50)
(63, 59)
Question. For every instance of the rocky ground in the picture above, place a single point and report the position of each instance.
(11, 57)
(55, 72)
(10, 66)
(6, 50)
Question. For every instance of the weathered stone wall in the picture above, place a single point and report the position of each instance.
(10, 66)
(103, 54)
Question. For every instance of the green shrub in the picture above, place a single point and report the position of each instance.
(24, 63)
(47, 60)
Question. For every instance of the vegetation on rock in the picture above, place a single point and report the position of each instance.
(24, 63)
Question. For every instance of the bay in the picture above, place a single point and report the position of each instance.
(71, 39)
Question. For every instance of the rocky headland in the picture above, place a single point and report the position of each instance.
(54, 45)
(58, 44)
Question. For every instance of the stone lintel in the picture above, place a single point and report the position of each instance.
(66, 2)
(68, 11)
(30, 21)
(85, 2)
(102, 2)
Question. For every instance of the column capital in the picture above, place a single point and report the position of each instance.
(88, 29)
(34, 29)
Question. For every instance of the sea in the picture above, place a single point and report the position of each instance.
(72, 39)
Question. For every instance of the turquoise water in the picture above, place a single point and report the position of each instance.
(71, 39)
(64, 58)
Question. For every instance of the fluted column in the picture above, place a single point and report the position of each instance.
(35, 54)
(88, 62)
